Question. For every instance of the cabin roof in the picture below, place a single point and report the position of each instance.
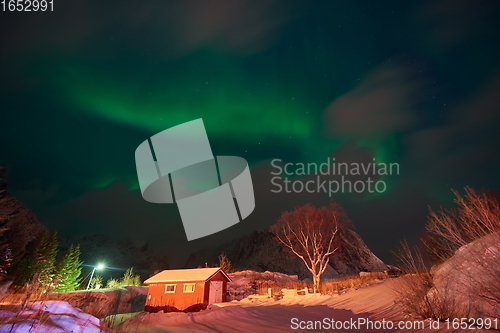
(192, 274)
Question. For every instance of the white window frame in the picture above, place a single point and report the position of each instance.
(170, 291)
(189, 284)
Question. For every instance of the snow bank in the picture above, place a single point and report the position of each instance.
(105, 302)
(49, 317)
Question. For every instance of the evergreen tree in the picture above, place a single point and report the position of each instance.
(22, 270)
(68, 270)
(44, 261)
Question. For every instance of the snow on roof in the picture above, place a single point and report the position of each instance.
(192, 274)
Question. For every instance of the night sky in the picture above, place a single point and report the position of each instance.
(81, 87)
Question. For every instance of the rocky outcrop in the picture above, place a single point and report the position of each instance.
(3, 182)
(18, 224)
(469, 282)
(352, 256)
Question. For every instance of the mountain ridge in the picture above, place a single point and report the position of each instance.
(260, 251)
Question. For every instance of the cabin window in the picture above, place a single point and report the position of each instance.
(170, 288)
(189, 287)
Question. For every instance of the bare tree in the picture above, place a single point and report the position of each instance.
(476, 215)
(224, 262)
(309, 233)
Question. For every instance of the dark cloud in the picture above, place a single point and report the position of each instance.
(452, 23)
(383, 102)
(466, 144)
(175, 28)
(241, 26)
(385, 220)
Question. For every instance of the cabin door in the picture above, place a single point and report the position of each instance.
(215, 294)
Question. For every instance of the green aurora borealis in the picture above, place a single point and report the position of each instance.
(83, 86)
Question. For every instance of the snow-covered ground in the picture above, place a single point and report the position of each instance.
(355, 310)
(48, 317)
(259, 314)
(104, 302)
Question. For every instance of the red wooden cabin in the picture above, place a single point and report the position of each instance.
(186, 289)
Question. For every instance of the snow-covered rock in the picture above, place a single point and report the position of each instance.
(469, 281)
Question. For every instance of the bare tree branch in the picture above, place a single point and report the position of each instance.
(309, 233)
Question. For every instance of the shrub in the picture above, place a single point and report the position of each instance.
(128, 279)
(476, 217)
(224, 263)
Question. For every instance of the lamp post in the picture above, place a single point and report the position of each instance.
(98, 267)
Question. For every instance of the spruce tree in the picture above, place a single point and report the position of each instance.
(44, 261)
(68, 270)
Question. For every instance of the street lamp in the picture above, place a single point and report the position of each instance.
(98, 267)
